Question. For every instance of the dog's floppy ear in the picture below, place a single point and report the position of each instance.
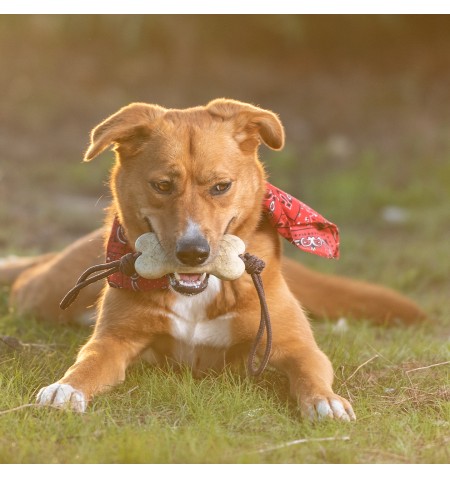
(131, 123)
(252, 124)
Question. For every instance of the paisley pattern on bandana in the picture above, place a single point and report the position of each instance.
(300, 224)
(294, 220)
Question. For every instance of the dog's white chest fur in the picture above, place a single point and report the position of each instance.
(193, 331)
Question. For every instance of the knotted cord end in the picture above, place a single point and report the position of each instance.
(126, 263)
(253, 264)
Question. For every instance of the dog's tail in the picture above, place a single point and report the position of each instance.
(334, 297)
(12, 266)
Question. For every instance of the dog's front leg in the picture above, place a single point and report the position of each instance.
(309, 370)
(117, 340)
(100, 365)
(310, 376)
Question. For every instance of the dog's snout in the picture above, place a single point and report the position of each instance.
(192, 252)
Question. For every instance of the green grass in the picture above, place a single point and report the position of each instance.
(167, 416)
(367, 129)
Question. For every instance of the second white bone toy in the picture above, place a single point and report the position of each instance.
(153, 262)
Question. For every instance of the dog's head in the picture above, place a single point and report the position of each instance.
(188, 175)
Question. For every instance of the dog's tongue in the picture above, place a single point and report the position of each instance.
(190, 277)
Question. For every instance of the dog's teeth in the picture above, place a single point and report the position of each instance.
(202, 277)
(177, 276)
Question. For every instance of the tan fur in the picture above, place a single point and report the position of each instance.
(39, 289)
(196, 149)
(334, 297)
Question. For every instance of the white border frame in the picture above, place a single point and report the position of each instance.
(224, 6)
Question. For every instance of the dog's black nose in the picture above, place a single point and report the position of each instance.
(192, 253)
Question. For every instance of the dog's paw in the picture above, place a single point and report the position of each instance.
(62, 395)
(322, 407)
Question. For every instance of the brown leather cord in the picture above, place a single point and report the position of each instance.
(253, 266)
(125, 264)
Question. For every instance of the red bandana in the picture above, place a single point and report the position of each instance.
(301, 225)
(118, 247)
(294, 220)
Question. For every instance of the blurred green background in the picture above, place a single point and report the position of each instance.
(365, 101)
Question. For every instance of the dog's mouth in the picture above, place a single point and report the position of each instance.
(188, 284)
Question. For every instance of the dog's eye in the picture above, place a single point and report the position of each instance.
(220, 188)
(163, 187)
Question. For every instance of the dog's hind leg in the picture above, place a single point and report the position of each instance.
(334, 297)
(39, 289)
(12, 266)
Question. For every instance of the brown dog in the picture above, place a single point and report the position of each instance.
(194, 175)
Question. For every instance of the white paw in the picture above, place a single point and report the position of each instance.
(337, 408)
(62, 395)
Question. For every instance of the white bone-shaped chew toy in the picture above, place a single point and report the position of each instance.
(153, 262)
